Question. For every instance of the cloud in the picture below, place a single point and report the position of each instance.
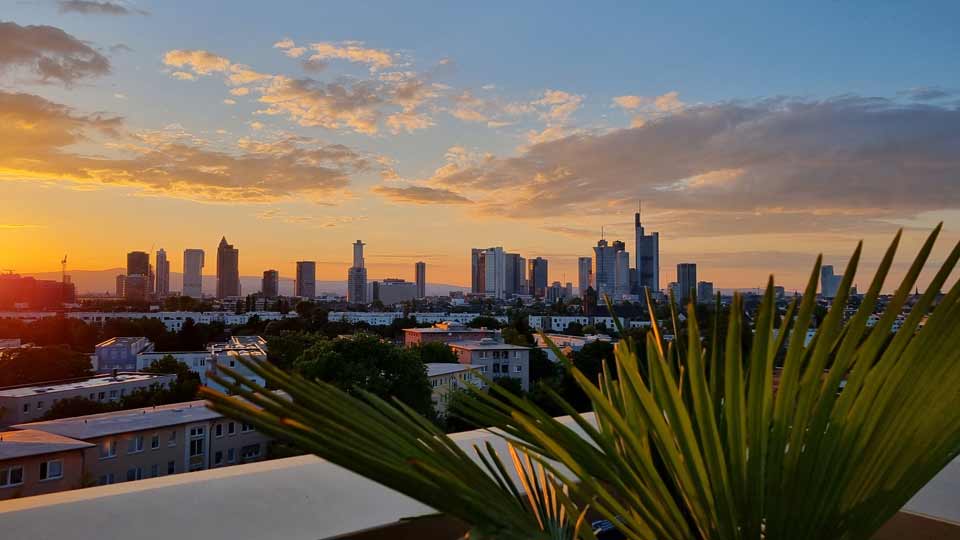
(352, 51)
(91, 7)
(647, 108)
(48, 53)
(556, 107)
(927, 93)
(229, 101)
(38, 135)
(419, 195)
(393, 99)
(820, 162)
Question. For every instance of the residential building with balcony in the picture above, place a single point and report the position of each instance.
(497, 359)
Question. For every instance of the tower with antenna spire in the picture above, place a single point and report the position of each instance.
(646, 256)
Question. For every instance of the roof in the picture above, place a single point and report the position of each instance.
(32, 442)
(486, 345)
(436, 369)
(435, 330)
(121, 340)
(53, 387)
(112, 423)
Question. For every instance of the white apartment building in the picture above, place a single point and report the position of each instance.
(173, 320)
(216, 355)
(447, 378)
(387, 318)
(497, 358)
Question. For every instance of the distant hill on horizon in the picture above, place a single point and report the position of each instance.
(104, 281)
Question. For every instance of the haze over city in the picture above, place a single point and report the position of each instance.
(426, 131)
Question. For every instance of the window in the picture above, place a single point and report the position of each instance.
(172, 440)
(113, 394)
(91, 396)
(108, 449)
(135, 473)
(196, 431)
(496, 368)
(517, 369)
(218, 457)
(51, 470)
(233, 363)
(26, 407)
(123, 392)
(196, 447)
(40, 404)
(155, 441)
(11, 476)
(171, 467)
(135, 444)
(244, 428)
(101, 395)
(218, 430)
(231, 428)
(106, 479)
(154, 470)
(251, 451)
(231, 455)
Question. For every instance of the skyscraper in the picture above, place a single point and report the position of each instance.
(494, 263)
(584, 275)
(420, 270)
(193, 273)
(270, 287)
(705, 292)
(121, 286)
(228, 270)
(647, 257)
(476, 272)
(357, 277)
(163, 273)
(538, 276)
(136, 285)
(605, 269)
(621, 275)
(829, 282)
(305, 285)
(686, 281)
(515, 277)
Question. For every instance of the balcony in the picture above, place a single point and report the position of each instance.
(306, 498)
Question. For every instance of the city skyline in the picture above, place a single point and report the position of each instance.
(146, 119)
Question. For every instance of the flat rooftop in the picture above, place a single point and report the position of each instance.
(32, 442)
(101, 381)
(435, 369)
(112, 423)
(486, 345)
(122, 340)
(435, 330)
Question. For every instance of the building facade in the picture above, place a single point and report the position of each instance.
(156, 441)
(448, 378)
(228, 270)
(357, 276)
(621, 275)
(686, 281)
(705, 292)
(34, 462)
(163, 274)
(393, 291)
(270, 286)
(584, 275)
(647, 257)
(119, 353)
(305, 286)
(447, 332)
(420, 275)
(193, 273)
(829, 282)
(538, 272)
(497, 359)
(28, 403)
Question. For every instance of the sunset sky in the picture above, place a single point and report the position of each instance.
(756, 136)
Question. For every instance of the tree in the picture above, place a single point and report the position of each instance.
(484, 322)
(435, 352)
(365, 362)
(78, 406)
(589, 360)
(285, 348)
(39, 364)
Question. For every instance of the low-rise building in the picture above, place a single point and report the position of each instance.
(567, 343)
(119, 353)
(447, 378)
(156, 441)
(216, 355)
(34, 462)
(446, 332)
(29, 402)
(496, 358)
(172, 320)
(374, 318)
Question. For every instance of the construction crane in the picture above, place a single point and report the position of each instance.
(63, 269)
